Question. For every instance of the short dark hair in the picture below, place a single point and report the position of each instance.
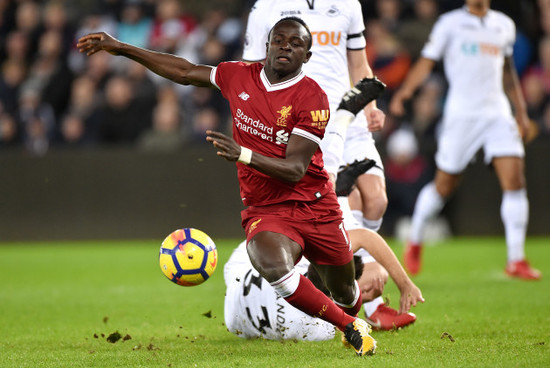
(297, 20)
(316, 280)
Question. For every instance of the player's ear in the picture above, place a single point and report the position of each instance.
(266, 47)
(308, 56)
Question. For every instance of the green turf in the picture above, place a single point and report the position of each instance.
(59, 303)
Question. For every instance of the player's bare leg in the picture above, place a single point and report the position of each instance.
(374, 200)
(514, 212)
(429, 203)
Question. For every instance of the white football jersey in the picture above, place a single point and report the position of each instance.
(472, 49)
(252, 308)
(336, 26)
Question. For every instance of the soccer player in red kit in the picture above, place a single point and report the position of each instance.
(279, 118)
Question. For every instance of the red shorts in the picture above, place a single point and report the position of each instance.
(317, 226)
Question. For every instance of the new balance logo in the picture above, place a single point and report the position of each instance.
(244, 96)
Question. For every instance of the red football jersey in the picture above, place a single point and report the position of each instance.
(264, 116)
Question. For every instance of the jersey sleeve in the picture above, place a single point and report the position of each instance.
(356, 37)
(221, 75)
(435, 46)
(257, 29)
(313, 117)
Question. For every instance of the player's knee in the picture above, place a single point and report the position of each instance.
(374, 207)
(270, 269)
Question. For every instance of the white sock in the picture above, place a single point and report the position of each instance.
(370, 307)
(332, 144)
(428, 204)
(287, 285)
(514, 211)
(373, 225)
(358, 215)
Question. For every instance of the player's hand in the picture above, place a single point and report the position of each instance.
(372, 289)
(397, 103)
(95, 42)
(524, 126)
(410, 296)
(227, 147)
(375, 119)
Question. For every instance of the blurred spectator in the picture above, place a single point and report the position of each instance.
(7, 20)
(84, 105)
(55, 18)
(134, 27)
(165, 134)
(205, 118)
(73, 131)
(17, 47)
(171, 26)
(406, 173)
(388, 13)
(535, 95)
(414, 31)
(37, 119)
(541, 70)
(12, 75)
(27, 20)
(99, 68)
(544, 122)
(523, 52)
(123, 120)
(9, 132)
(145, 91)
(389, 60)
(50, 73)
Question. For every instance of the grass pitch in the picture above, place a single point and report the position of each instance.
(107, 304)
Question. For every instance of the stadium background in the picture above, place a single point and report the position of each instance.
(100, 149)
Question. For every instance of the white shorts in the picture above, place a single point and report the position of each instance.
(463, 136)
(360, 144)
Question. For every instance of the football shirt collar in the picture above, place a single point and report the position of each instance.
(282, 85)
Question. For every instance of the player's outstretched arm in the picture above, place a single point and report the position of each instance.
(177, 69)
(382, 253)
(291, 169)
(419, 72)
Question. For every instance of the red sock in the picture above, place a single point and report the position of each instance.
(312, 301)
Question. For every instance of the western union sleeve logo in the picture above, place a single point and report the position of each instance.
(320, 118)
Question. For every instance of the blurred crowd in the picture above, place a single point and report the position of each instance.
(53, 97)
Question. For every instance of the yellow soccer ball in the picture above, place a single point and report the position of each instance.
(188, 257)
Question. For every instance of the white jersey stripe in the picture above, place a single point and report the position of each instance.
(307, 135)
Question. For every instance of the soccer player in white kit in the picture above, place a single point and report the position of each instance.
(252, 308)
(339, 57)
(475, 44)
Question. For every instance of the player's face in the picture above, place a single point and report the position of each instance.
(478, 3)
(287, 49)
